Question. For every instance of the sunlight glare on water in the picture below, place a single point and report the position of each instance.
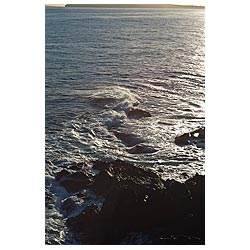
(103, 63)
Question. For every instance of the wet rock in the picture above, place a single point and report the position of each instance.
(123, 185)
(137, 114)
(138, 200)
(196, 183)
(74, 204)
(85, 224)
(124, 170)
(76, 166)
(69, 204)
(196, 137)
(73, 181)
(139, 238)
(102, 165)
(102, 182)
(176, 240)
(128, 139)
(72, 185)
(200, 133)
(119, 172)
(182, 139)
(196, 187)
(62, 174)
(141, 149)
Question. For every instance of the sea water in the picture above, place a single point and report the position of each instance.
(101, 63)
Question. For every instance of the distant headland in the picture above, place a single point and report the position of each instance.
(133, 6)
(54, 5)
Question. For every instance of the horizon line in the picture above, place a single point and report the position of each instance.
(125, 6)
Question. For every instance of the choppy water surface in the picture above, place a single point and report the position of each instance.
(100, 63)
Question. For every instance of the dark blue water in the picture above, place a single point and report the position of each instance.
(100, 63)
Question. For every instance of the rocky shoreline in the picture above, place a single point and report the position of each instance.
(137, 205)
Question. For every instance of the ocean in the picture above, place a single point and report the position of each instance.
(121, 84)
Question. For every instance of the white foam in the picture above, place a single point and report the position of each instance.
(112, 118)
(117, 98)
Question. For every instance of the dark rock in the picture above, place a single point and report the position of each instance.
(102, 182)
(182, 139)
(124, 168)
(85, 224)
(138, 200)
(137, 113)
(74, 181)
(101, 165)
(196, 187)
(62, 174)
(142, 149)
(196, 137)
(68, 204)
(196, 184)
(176, 240)
(72, 185)
(128, 139)
(76, 166)
(119, 172)
(200, 132)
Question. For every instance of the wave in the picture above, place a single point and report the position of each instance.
(116, 98)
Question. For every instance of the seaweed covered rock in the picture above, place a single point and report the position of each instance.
(138, 200)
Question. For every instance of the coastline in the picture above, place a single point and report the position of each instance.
(55, 5)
